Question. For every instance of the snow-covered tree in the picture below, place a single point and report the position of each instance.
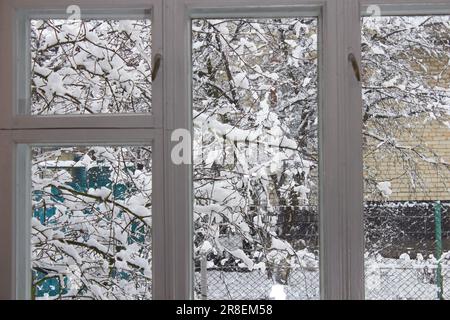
(406, 91)
(93, 66)
(255, 139)
(91, 225)
(255, 144)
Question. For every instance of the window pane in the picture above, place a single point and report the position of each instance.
(255, 158)
(92, 223)
(90, 66)
(406, 92)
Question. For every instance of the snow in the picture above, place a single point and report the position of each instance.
(239, 254)
(126, 26)
(277, 292)
(55, 85)
(405, 257)
(92, 36)
(385, 188)
(273, 76)
(137, 205)
(44, 71)
(71, 252)
(102, 192)
(241, 80)
(95, 244)
(381, 281)
(282, 245)
(51, 39)
(255, 285)
(85, 161)
(377, 49)
(205, 248)
(303, 190)
(57, 164)
(297, 53)
(276, 163)
(260, 266)
(306, 81)
(197, 44)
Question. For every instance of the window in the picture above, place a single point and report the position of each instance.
(91, 225)
(406, 133)
(90, 66)
(255, 164)
(203, 149)
(83, 134)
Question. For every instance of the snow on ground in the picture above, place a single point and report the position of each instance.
(390, 280)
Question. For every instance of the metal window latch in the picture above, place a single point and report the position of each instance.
(156, 65)
(355, 66)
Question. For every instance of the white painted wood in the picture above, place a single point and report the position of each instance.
(7, 54)
(178, 178)
(330, 74)
(88, 4)
(402, 10)
(406, 3)
(341, 228)
(22, 221)
(15, 65)
(350, 147)
(84, 136)
(353, 227)
(7, 261)
(159, 250)
(20, 140)
(18, 131)
(178, 78)
(87, 121)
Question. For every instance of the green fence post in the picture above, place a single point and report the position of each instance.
(438, 254)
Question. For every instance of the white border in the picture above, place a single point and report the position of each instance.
(18, 132)
(333, 246)
(23, 140)
(341, 227)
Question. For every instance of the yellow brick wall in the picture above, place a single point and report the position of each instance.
(434, 180)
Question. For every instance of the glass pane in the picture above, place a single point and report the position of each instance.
(255, 158)
(91, 223)
(90, 66)
(406, 92)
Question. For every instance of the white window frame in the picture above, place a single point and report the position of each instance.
(20, 131)
(24, 140)
(340, 122)
(390, 7)
(341, 273)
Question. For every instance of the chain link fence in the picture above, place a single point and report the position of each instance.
(392, 229)
(383, 282)
(414, 282)
(223, 284)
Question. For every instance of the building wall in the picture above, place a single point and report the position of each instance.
(430, 181)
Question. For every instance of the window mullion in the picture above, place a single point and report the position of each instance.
(178, 178)
(331, 224)
(351, 141)
(341, 172)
